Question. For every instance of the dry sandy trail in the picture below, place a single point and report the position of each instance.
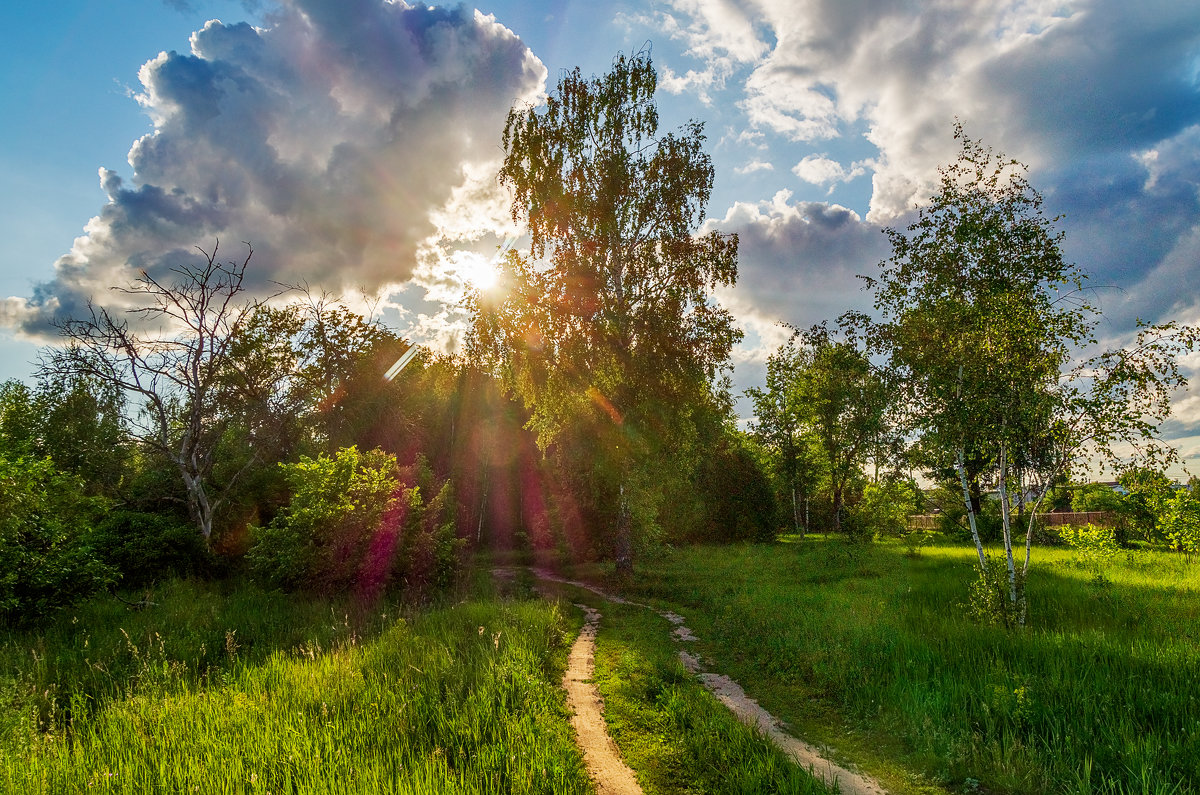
(727, 691)
(604, 763)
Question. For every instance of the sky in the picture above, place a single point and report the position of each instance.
(354, 143)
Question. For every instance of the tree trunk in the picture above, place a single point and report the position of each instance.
(1006, 523)
(837, 510)
(623, 543)
(962, 477)
(199, 505)
(796, 512)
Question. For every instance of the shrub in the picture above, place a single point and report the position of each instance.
(353, 523)
(1094, 545)
(989, 601)
(432, 551)
(885, 507)
(46, 561)
(739, 502)
(1179, 518)
(320, 539)
(143, 547)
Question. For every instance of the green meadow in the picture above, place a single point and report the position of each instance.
(865, 649)
(868, 649)
(250, 691)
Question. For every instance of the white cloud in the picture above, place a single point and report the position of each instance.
(798, 261)
(820, 170)
(753, 166)
(1035, 78)
(348, 141)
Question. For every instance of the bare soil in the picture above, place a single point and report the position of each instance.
(604, 763)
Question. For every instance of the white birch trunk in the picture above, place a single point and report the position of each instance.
(961, 466)
(1006, 522)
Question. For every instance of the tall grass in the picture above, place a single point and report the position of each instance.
(1101, 694)
(250, 691)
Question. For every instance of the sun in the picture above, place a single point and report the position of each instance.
(477, 271)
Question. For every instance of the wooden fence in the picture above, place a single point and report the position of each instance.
(1056, 519)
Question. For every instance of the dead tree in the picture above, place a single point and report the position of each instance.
(172, 360)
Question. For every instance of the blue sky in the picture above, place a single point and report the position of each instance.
(355, 142)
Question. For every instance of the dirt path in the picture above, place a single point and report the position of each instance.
(727, 691)
(604, 763)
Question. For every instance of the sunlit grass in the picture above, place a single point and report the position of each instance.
(869, 649)
(204, 694)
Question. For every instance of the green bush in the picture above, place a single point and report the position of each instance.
(144, 547)
(739, 504)
(885, 507)
(1179, 518)
(46, 560)
(320, 539)
(1094, 545)
(354, 523)
(431, 556)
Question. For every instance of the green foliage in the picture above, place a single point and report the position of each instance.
(823, 417)
(989, 598)
(885, 507)
(143, 548)
(1146, 489)
(980, 313)
(1094, 545)
(357, 522)
(1179, 518)
(46, 560)
(72, 417)
(1097, 497)
(607, 329)
(781, 426)
(20, 420)
(320, 539)
(740, 504)
(433, 553)
(981, 321)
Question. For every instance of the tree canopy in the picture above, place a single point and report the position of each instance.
(607, 321)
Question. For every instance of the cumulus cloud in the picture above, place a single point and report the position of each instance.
(349, 141)
(1040, 79)
(820, 170)
(1100, 98)
(797, 263)
(753, 166)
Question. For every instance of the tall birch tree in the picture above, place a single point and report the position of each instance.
(985, 325)
(607, 322)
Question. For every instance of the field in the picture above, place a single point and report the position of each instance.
(865, 649)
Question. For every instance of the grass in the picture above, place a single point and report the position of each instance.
(867, 649)
(675, 735)
(248, 691)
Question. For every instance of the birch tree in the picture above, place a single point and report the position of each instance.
(986, 324)
(608, 322)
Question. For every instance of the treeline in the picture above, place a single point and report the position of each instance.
(201, 431)
(319, 474)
